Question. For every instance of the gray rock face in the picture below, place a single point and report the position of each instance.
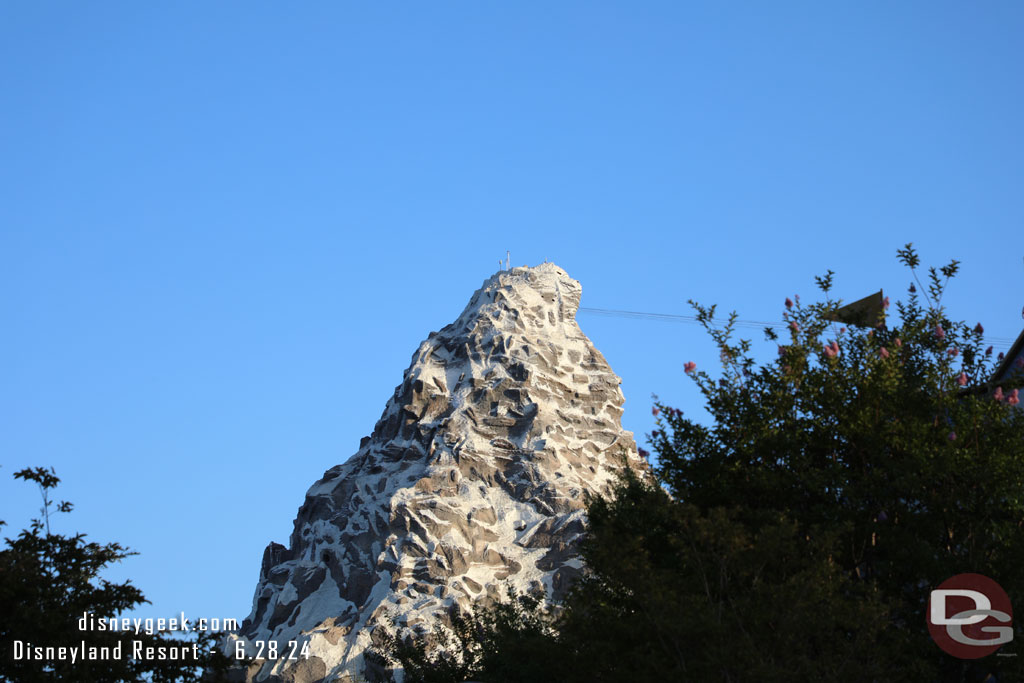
(473, 479)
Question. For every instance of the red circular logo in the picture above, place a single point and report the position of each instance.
(969, 616)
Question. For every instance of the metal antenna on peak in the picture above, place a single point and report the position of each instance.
(507, 256)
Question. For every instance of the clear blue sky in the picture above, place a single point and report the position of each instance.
(225, 227)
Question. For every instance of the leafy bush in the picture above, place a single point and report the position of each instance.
(507, 641)
(48, 581)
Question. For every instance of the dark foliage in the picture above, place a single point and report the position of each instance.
(48, 581)
(507, 641)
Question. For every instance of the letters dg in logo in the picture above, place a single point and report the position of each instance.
(969, 616)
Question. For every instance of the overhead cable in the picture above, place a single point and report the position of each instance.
(692, 319)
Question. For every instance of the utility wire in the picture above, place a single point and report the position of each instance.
(755, 324)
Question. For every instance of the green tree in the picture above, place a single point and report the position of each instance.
(797, 535)
(48, 581)
(882, 445)
(512, 640)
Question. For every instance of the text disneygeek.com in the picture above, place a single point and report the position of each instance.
(180, 623)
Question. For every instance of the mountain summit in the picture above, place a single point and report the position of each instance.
(474, 478)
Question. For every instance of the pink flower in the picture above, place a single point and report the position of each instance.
(789, 302)
(898, 342)
(952, 436)
(998, 394)
(885, 303)
(842, 330)
(883, 352)
(655, 411)
(978, 329)
(953, 352)
(690, 366)
(988, 351)
(1013, 399)
(793, 326)
(829, 351)
(939, 332)
(962, 379)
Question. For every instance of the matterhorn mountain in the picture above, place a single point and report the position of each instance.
(474, 478)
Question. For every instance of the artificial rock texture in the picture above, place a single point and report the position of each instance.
(473, 479)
